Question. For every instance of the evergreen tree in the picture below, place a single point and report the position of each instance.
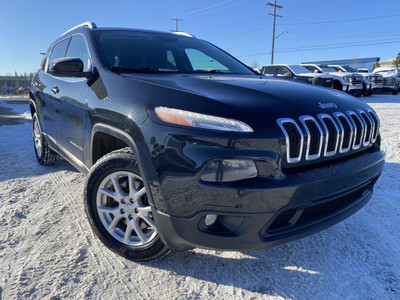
(396, 61)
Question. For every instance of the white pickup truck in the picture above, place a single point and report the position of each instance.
(373, 83)
(351, 83)
(391, 78)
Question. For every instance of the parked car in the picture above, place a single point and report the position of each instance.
(297, 73)
(184, 146)
(348, 82)
(391, 78)
(373, 83)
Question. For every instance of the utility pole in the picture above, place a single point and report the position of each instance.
(176, 23)
(273, 28)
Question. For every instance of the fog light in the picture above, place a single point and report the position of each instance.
(345, 88)
(210, 219)
(228, 170)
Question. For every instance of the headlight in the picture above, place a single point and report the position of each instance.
(347, 78)
(192, 119)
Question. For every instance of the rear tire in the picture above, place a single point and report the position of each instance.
(44, 155)
(118, 208)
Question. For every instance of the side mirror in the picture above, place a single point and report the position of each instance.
(68, 67)
(316, 71)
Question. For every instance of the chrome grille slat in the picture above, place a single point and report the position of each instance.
(281, 123)
(368, 127)
(359, 131)
(310, 138)
(344, 132)
(374, 117)
(328, 134)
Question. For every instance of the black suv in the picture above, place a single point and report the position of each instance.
(297, 73)
(184, 146)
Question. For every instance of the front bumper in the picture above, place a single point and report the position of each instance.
(354, 89)
(388, 88)
(251, 213)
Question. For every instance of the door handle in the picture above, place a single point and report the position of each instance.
(55, 90)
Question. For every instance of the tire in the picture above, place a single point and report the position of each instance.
(337, 85)
(117, 206)
(44, 155)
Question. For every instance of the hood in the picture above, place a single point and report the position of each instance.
(255, 100)
(342, 74)
(386, 73)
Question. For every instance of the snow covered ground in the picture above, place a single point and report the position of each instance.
(47, 250)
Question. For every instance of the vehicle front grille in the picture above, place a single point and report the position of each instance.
(357, 80)
(376, 79)
(328, 135)
(388, 81)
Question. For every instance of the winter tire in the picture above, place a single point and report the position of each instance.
(44, 155)
(118, 208)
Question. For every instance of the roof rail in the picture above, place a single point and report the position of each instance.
(183, 33)
(89, 25)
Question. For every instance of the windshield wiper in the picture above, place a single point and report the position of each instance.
(133, 70)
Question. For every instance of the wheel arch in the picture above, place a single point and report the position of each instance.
(139, 149)
(337, 85)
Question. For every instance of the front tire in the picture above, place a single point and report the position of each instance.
(118, 208)
(44, 155)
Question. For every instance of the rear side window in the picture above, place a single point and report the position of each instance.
(77, 48)
(58, 51)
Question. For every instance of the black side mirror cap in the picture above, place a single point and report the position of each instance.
(68, 67)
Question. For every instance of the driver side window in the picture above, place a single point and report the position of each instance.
(283, 72)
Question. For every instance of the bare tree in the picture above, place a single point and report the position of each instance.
(376, 65)
(254, 64)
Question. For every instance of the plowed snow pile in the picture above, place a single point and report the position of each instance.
(47, 250)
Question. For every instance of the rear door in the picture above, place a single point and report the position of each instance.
(73, 115)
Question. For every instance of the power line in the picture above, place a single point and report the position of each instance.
(343, 20)
(324, 48)
(339, 44)
(206, 8)
(194, 12)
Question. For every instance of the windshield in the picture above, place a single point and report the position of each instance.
(143, 52)
(327, 69)
(349, 69)
(336, 68)
(299, 69)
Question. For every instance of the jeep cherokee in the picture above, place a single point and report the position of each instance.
(184, 146)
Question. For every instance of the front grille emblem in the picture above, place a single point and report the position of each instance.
(327, 105)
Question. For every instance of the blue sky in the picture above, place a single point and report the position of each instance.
(316, 29)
